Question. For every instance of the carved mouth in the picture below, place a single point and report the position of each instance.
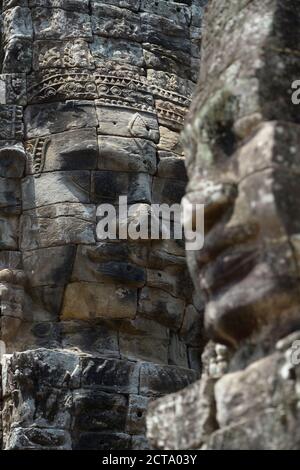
(229, 267)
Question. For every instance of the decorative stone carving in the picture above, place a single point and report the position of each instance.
(62, 54)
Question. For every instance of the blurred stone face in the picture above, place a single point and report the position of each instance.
(242, 153)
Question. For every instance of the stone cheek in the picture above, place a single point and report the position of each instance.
(93, 96)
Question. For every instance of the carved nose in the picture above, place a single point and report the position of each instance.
(216, 198)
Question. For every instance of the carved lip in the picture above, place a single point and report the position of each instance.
(230, 266)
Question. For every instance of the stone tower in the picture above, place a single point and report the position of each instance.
(93, 97)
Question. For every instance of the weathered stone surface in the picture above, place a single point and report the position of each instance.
(194, 358)
(162, 59)
(43, 303)
(60, 85)
(88, 257)
(125, 55)
(162, 307)
(158, 380)
(169, 190)
(9, 226)
(17, 56)
(49, 54)
(144, 339)
(10, 195)
(49, 266)
(126, 122)
(58, 224)
(237, 394)
(95, 270)
(125, 154)
(179, 14)
(192, 327)
(38, 439)
(133, 5)
(17, 24)
(108, 186)
(59, 412)
(273, 433)
(192, 413)
(100, 338)
(55, 23)
(6, 4)
(171, 85)
(163, 280)
(171, 167)
(13, 89)
(51, 366)
(178, 354)
(73, 5)
(42, 120)
(169, 254)
(140, 443)
(111, 21)
(11, 124)
(99, 411)
(110, 375)
(10, 259)
(12, 160)
(136, 418)
(163, 31)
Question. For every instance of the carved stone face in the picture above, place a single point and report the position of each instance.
(243, 165)
(81, 154)
(104, 91)
(249, 265)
